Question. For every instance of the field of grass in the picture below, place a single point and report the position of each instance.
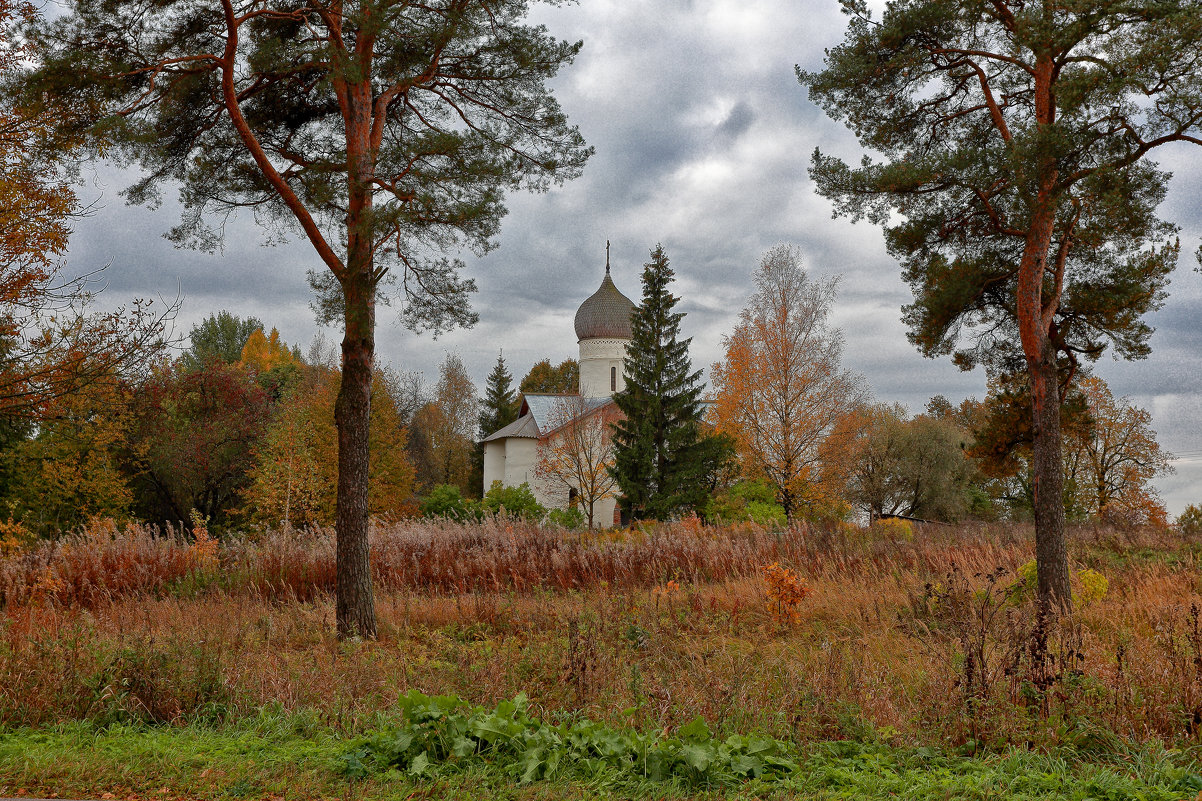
(134, 662)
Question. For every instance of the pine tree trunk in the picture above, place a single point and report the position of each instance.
(1036, 318)
(1051, 554)
(355, 606)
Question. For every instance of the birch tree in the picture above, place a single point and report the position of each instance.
(780, 388)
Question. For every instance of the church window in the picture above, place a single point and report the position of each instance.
(613, 379)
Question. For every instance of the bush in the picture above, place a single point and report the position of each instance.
(1093, 586)
(1190, 521)
(518, 501)
(445, 500)
(746, 500)
(1089, 586)
(14, 536)
(893, 528)
(566, 518)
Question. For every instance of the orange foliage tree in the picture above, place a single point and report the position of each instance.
(49, 348)
(780, 390)
(578, 453)
(1110, 453)
(265, 353)
(1114, 458)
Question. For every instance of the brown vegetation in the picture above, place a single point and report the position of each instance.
(929, 639)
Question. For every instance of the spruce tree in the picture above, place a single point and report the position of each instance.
(661, 457)
(498, 409)
(500, 404)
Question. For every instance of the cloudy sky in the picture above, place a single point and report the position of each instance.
(702, 139)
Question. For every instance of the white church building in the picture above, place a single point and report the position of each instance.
(512, 453)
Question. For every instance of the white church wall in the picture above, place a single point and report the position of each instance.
(521, 454)
(601, 363)
(494, 462)
(603, 512)
(513, 460)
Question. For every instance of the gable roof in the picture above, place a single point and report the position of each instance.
(539, 415)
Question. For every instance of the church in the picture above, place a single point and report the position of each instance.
(512, 453)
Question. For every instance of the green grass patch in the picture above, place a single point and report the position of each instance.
(441, 747)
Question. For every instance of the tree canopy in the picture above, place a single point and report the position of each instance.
(219, 336)
(498, 407)
(51, 346)
(560, 379)
(892, 464)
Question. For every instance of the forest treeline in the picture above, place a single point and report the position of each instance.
(238, 430)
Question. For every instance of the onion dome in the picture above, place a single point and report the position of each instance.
(606, 313)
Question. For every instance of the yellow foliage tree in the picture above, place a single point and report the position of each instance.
(266, 353)
(295, 478)
(71, 470)
(1114, 459)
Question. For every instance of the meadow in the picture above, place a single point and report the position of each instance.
(888, 641)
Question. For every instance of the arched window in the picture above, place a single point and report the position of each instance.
(613, 379)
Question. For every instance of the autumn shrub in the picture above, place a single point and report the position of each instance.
(1088, 585)
(785, 593)
(571, 518)
(14, 536)
(751, 500)
(893, 528)
(1092, 587)
(1189, 522)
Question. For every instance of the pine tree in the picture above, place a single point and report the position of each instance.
(1013, 174)
(331, 120)
(662, 457)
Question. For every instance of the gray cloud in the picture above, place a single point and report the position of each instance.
(703, 139)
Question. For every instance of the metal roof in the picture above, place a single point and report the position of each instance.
(548, 409)
(606, 313)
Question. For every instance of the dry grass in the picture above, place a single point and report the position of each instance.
(899, 640)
